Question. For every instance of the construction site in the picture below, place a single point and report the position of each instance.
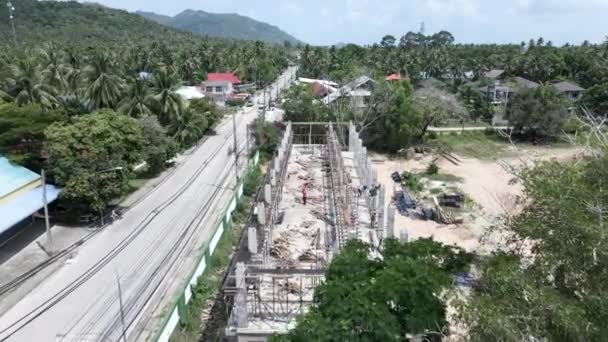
(319, 192)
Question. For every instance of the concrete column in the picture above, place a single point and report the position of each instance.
(273, 177)
(240, 301)
(374, 174)
(252, 240)
(267, 193)
(390, 222)
(280, 153)
(261, 213)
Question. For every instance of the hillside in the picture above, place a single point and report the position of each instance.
(68, 21)
(223, 25)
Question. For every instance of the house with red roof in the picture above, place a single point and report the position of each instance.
(220, 83)
(393, 77)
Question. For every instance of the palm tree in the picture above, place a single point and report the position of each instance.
(166, 103)
(4, 97)
(104, 88)
(27, 86)
(136, 101)
(73, 74)
(188, 127)
(53, 74)
(187, 67)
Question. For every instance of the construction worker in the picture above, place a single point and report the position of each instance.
(304, 193)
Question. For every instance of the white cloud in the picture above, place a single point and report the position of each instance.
(324, 12)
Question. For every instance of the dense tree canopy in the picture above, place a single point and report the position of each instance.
(301, 106)
(22, 133)
(385, 298)
(92, 156)
(537, 112)
(561, 293)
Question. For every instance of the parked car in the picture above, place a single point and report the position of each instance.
(249, 104)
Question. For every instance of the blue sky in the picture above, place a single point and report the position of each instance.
(326, 22)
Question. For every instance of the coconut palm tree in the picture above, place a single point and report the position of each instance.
(165, 102)
(187, 67)
(53, 74)
(188, 127)
(104, 88)
(73, 73)
(4, 97)
(26, 84)
(136, 101)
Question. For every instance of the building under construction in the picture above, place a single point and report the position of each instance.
(320, 191)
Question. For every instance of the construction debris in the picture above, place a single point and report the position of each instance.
(308, 255)
(291, 288)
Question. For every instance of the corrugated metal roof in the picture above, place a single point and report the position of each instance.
(14, 177)
(565, 86)
(24, 205)
(358, 82)
(494, 73)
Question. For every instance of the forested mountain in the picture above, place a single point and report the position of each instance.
(73, 22)
(224, 25)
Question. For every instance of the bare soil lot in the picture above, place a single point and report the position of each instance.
(490, 185)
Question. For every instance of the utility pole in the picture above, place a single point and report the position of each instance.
(49, 238)
(11, 9)
(235, 146)
(122, 311)
(247, 141)
(264, 105)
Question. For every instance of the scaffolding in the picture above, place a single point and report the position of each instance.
(341, 186)
(307, 211)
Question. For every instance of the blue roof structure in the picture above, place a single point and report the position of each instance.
(14, 177)
(24, 205)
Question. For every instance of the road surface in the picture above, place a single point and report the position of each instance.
(148, 252)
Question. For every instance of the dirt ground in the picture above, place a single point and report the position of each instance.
(490, 184)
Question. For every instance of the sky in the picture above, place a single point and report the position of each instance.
(327, 22)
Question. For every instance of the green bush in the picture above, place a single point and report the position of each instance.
(251, 181)
(235, 102)
(432, 169)
(411, 181)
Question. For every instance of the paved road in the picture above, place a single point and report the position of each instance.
(150, 251)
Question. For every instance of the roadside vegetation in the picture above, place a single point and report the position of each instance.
(56, 100)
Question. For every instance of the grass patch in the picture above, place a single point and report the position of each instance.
(436, 191)
(481, 145)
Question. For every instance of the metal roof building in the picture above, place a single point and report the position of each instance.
(20, 194)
